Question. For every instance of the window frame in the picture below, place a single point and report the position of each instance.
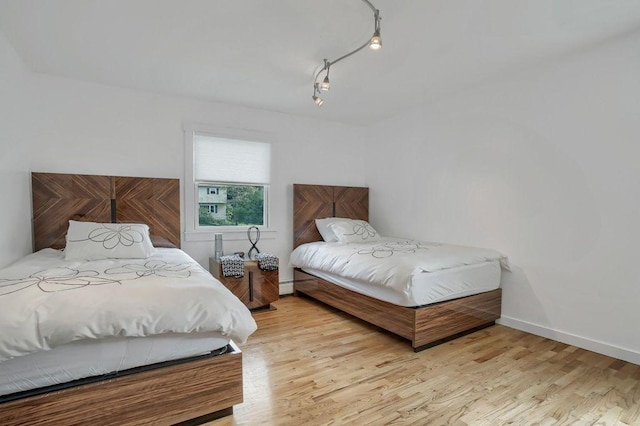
(192, 229)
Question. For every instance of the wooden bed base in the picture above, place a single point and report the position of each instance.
(424, 326)
(192, 391)
(198, 390)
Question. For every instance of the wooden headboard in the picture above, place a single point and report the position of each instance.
(57, 198)
(312, 202)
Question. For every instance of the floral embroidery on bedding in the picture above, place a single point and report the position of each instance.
(159, 268)
(63, 278)
(363, 229)
(112, 236)
(53, 280)
(389, 248)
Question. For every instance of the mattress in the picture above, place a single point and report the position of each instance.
(91, 357)
(426, 287)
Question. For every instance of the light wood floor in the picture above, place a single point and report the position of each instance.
(310, 364)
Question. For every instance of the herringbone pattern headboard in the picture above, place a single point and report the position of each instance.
(57, 198)
(312, 202)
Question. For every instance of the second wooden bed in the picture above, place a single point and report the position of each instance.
(425, 325)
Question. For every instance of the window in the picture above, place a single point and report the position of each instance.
(231, 181)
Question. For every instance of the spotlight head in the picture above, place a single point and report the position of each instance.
(325, 85)
(376, 41)
(318, 100)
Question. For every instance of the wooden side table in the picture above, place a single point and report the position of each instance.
(257, 289)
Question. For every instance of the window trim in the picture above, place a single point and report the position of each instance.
(192, 230)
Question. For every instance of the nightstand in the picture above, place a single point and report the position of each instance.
(257, 289)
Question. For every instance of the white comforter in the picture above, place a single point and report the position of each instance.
(390, 262)
(46, 301)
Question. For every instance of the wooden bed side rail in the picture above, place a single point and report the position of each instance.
(446, 319)
(397, 319)
(166, 395)
(423, 325)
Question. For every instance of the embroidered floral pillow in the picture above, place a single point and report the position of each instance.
(354, 231)
(94, 241)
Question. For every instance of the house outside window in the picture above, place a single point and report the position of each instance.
(212, 205)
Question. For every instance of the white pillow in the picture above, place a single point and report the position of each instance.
(94, 241)
(354, 231)
(324, 230)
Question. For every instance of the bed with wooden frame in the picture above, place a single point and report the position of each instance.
(425, 325)
(191, 390)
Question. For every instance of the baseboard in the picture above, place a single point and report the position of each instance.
(286, 288)
(572, 339)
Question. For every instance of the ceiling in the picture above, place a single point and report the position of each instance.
(264, 53)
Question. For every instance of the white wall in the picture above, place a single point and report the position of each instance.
(77, 127)
(15, 210)
(544, 166)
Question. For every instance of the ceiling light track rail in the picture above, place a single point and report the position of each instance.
(374, 43)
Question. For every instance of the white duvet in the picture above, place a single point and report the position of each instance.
(46, 301)
(390, 262)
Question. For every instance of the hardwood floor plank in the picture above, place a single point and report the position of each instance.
(311, 364)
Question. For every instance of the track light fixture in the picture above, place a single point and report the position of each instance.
(325, 85)
(374, 43)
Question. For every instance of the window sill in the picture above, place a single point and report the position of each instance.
(228, 234)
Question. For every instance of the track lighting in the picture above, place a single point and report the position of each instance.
(325, 85)
(317, 99)
(374, 43)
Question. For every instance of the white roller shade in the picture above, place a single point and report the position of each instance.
(229, 160)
